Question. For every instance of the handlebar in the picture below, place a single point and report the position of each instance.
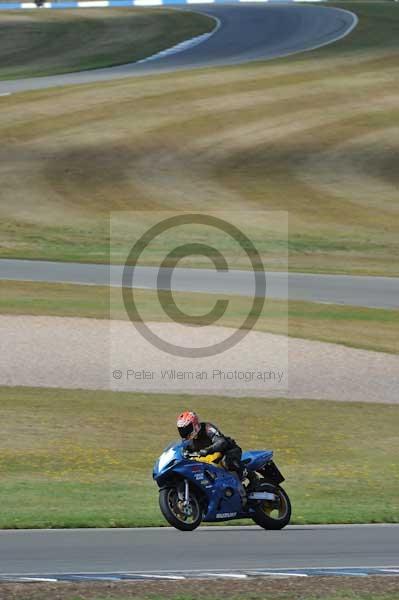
(188, 454)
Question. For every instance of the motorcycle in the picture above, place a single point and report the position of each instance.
(196, 489)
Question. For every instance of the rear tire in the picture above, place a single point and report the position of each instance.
(172, 509)
(272, 517)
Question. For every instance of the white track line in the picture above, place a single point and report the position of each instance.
(225, 575)
(178, 573)
(195, 41)
(344, 572)
(155, 576)
(45, 579)
(285, 574)
(390, 570)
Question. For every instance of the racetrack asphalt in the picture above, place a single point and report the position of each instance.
(164, 549)
(377, 292)
(245, 33)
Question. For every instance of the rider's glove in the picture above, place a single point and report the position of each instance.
(203, 452)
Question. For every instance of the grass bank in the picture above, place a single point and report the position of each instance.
(315, 135)
(48, 42)
(81, 458)
(369, 328)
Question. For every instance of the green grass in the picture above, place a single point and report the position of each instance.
(372, 329)
(48, 42)
(84, 458)
(314, 135)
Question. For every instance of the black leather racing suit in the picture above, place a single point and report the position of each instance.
(212, 440)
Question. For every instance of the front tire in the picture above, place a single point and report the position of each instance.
(174, 512)
(274, 515)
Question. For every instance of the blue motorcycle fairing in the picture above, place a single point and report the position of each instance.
(256, 459)
(215, 482)
(220, 487)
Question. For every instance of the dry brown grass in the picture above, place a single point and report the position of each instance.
(292, 588)
(316, 135)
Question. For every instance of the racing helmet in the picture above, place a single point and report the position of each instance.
(188, 425)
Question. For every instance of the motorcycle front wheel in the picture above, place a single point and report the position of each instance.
(274, 514)
(172, 507)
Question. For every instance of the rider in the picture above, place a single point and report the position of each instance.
(206, 439)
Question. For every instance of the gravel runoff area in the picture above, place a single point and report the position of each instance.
(97, 354)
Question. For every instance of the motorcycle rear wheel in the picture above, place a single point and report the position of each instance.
(270, 517)
(173, 510)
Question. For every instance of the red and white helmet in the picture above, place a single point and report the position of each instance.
(188, 425)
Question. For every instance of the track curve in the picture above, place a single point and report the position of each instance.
(245, 33)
